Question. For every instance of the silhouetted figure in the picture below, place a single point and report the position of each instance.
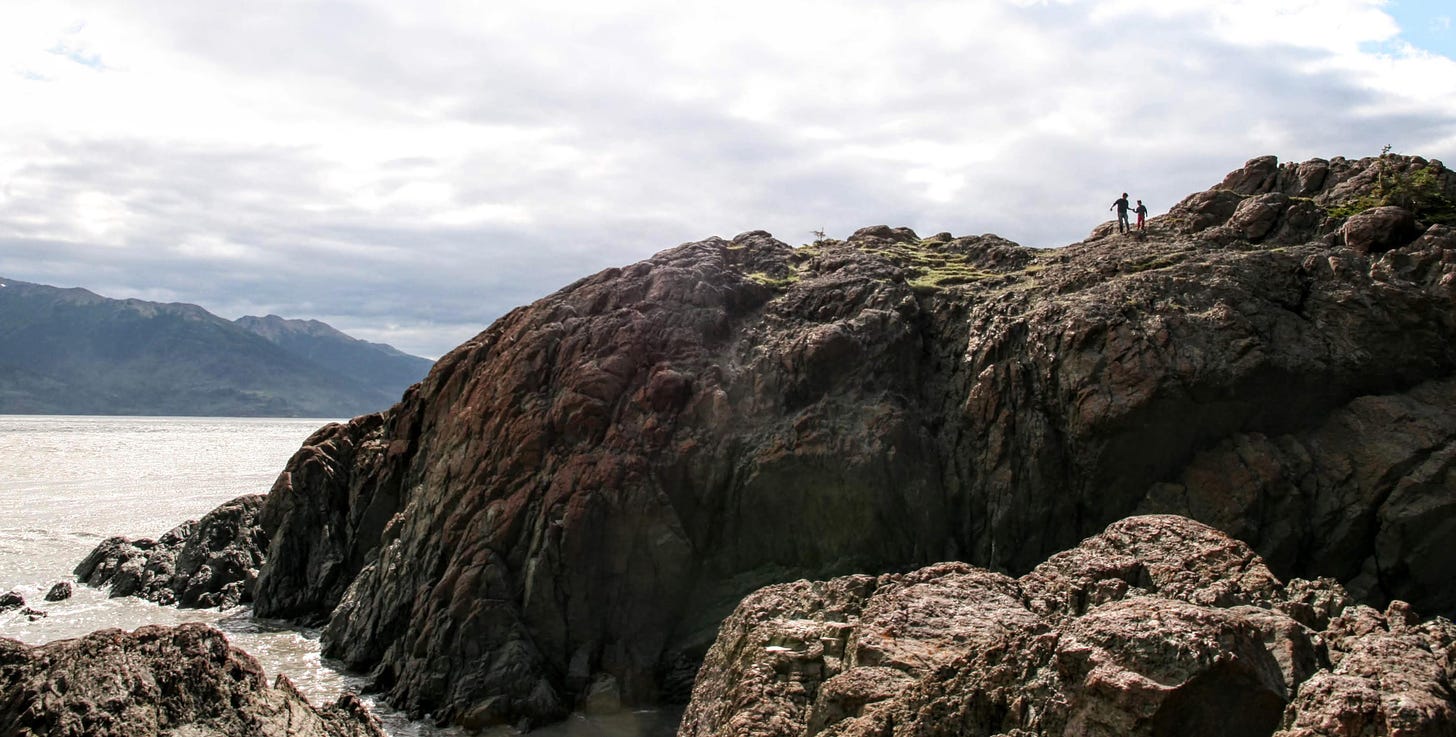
(1121, 205)
(1142, 213)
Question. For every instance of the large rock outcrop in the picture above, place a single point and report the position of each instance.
(1157, 626)
(176, 681)
(570, 502)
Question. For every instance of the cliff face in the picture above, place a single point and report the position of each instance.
(571, 501)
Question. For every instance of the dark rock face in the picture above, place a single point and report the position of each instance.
(158, 681)
(212, 562)
(59, 592)
(1157, 626)
(566, 507)
(344, 483)
(11, 600)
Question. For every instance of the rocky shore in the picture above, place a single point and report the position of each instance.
(565, 509)
(173, 681)
(211, 562)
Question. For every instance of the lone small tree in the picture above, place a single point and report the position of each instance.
(1418, 190)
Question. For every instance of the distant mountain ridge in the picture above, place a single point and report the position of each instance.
(71, 351)
(369, 363)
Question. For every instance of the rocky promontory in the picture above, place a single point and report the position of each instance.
(211, 562)
(177, 681)
(1157, 626)
(570, 502)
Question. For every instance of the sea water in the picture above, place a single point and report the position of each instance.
(67, 483)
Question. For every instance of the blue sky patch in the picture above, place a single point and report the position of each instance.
(1426, 24)
(80, 57)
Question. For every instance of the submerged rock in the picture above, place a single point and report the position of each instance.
(157, 681)
(1157, 626)
(212, 562)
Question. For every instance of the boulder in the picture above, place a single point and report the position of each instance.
(59, 592)
(1258, 176)
(1257, 216)
(1380, 229)
(1205, 210)
(1305, 179)
(155, 682)
(212, 562)
(10, 601)
(1157, 626)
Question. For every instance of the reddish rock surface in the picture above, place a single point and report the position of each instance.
(1380, 229)
(174, 681)
(1157, 626)
(563, 511)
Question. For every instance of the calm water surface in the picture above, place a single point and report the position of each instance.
(67, 483)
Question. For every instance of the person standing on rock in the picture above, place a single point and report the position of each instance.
(1142, 213)
(1121, 205)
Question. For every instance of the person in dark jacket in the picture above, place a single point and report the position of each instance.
(1121, 205)
(1142, 213)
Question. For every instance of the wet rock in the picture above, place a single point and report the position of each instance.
(33, 614)
(59, 592)
(11, 600)
(1157, 626)
(159, 681)
(212, 562)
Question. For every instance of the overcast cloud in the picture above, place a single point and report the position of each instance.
(408, 172)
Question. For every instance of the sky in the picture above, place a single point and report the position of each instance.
(408, 172)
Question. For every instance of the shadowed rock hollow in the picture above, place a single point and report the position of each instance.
(571, 501)
(1157, 626)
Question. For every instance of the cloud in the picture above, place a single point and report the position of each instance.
(409, 172)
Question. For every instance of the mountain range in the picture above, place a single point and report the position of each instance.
(71, 351)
